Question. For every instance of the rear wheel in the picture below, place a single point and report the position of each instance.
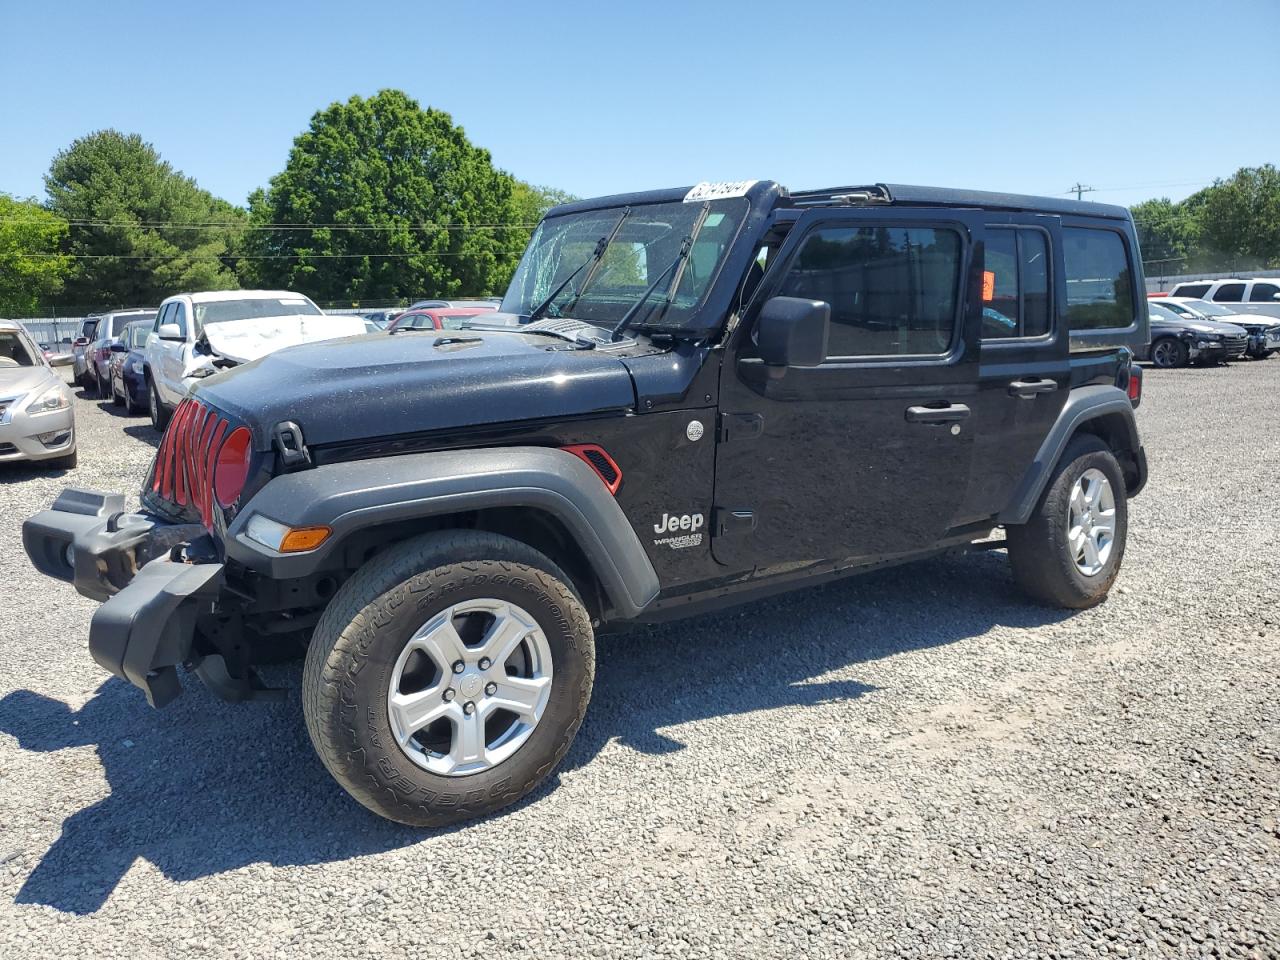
(448, 677)
(159, 413)
(131, 406)
(1169, 352)
(1068, 554)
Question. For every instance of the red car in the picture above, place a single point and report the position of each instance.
(433, 318)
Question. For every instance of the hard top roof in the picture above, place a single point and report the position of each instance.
(875, 194)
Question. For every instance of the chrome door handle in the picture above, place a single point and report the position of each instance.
(948, 414)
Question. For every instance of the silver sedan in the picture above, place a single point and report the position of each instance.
(37, 421)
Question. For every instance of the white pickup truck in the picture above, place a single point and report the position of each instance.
(199, 334)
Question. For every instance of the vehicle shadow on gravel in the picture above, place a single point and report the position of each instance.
(203, 787)
(22, 471)
(144, 431)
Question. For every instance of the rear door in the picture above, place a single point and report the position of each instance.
(1263, 298)
(1024, 366)
(867, 455)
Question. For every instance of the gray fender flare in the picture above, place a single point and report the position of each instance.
(1084, 404)
(358, 494)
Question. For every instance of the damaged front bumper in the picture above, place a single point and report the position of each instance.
(137, 564)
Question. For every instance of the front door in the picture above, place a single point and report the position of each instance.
(868, 455)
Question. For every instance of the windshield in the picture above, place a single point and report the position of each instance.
(1211, 309)
(137, 335)
(1159, 311)
(121, 321)
(14, 351)
(222, 311)
(646, 244)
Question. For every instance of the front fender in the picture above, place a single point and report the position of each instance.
(1086, 404)
(358, 494)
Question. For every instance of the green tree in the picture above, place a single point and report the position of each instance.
(397, 204)
(530, 202)
(32, 267)
(1240, 217)
(1168, 235)
(139, 230)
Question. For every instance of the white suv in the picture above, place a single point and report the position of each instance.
(199, 334)
(1258, 295)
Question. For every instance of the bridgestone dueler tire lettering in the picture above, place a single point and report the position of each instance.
(365, 627)
(1039, 553)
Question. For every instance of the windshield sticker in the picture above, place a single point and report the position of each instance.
(722, 190)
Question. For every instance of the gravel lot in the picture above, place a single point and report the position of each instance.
(913, 763)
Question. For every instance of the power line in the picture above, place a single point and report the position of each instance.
(1080, 189)
(270, 256)
(271, 227)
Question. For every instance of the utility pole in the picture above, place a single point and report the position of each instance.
(1080, 189)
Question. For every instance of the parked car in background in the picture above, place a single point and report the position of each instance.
(37, 421)
(434, 318)
(128, 378)
(381, 319)
(479, 304)
(1177, 340)
(1257, 295)
(1263, 332)
(58, 354)
(98, 355)
(79, 363)
(197, 335)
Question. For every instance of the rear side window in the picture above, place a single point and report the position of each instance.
(1194, 291)
(1099, 280)
(1229, 293)
(892, 289)
(1263, 292)
(1015, 291)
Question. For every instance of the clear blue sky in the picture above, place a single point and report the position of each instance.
(1138, 98)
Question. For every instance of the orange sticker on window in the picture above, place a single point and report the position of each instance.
(988, 286)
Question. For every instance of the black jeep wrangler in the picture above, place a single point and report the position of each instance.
(690, 398)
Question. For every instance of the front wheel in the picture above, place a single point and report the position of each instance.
(159, 413)
(1168, 353)
(448, 677)
(1068, 554)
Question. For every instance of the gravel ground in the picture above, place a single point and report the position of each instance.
(913, 763)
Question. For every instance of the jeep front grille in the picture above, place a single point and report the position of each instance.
(182, 473)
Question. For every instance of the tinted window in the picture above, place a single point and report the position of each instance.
(1229, 293)
(1263, 292)
(1015, 284)
(1099, 281)
(892, 289)
(1193, 290)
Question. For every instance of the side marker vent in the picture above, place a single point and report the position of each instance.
(598, 460)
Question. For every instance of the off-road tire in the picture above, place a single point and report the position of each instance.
(159, 413)
(1039, 552)
(361, 634)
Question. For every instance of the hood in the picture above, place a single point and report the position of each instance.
(246, 340)
(16, 381)
(381, 385)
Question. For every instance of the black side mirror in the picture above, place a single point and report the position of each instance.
(793, 332)
(118, 347)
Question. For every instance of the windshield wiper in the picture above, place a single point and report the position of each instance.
(685, 247)
(592, 261)
(573, 338)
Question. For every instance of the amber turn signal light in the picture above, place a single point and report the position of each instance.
(299, 539)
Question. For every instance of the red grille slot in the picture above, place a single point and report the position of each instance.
(185, 461)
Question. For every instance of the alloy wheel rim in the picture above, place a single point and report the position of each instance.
(1165, 354)
(1091, 522)
(470, 687)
